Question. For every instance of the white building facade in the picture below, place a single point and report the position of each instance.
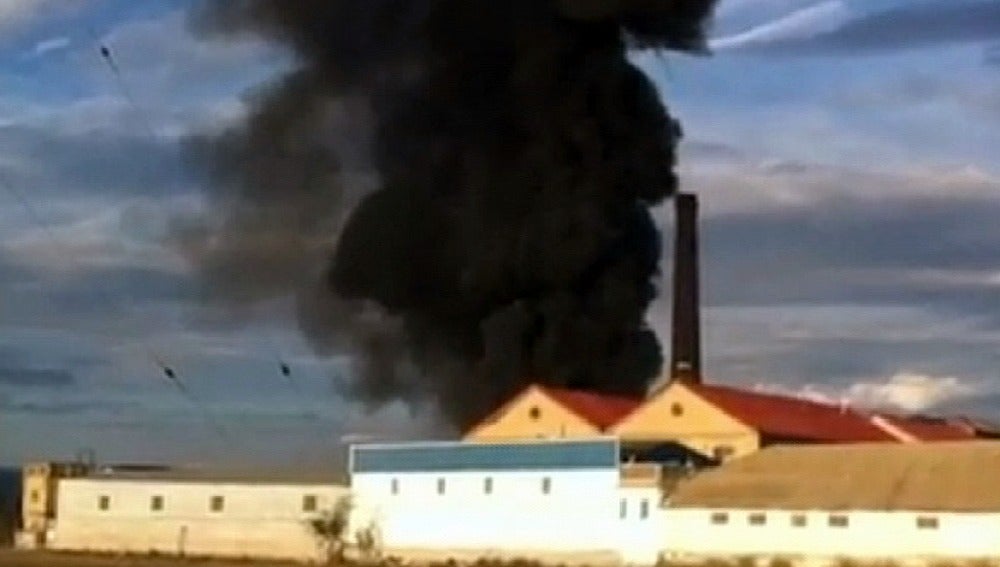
(194, 517)
(548, 500)
(916, 504)
(825, 537)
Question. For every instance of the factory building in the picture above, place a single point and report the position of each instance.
(567, 500)
(714, 422)
(914, 503)
(575, 501)
(191, 512)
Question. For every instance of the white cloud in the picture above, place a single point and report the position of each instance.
(125, 236)
(758, 184)
(51, 44)
(807, 22)
(909, 392)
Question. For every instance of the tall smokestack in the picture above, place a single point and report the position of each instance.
(685, 349)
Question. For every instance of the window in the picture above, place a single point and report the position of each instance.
(722, 452)
(104, 502)
(644, 509)
(927, 522)
(798, 520)
(676, 409)
(546, 485)
(34, 496)
(156, 503)
(535, 412)
(309, 503)
(757, 519)
(623, 508)
(838, 521)
(488, 485)
(217, 504)
(720, 518)
(394, 486)
(440, 486)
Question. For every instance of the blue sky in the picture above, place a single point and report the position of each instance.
(844, 152)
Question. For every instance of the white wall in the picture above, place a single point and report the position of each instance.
(578, 517)
(868, 535)
(257, 520)
(640, 530)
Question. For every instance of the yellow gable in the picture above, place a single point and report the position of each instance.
(531, 415)
(677, 414)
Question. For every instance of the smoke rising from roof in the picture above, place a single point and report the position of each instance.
(506, 236)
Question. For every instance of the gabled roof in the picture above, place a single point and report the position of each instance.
(600, 410)
(791, 418)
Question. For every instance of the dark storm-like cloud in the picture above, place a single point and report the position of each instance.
(913, 25)
(49, 161)
(856, 250)
(36, 377)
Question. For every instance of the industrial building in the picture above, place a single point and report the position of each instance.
(692, 472)
(906, 503)
(180, 512)
(707, 421)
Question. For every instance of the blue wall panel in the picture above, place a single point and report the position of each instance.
(590, 454)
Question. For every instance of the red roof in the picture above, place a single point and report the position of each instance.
(929, 429)
(602, 411)
(792, 418)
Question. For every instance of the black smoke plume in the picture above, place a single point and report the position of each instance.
(458, 191)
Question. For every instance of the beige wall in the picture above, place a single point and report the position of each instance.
(267, 521)
(516, 420)
(39, 500)
(677, 414)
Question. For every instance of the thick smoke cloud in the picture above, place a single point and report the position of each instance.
(506, 235)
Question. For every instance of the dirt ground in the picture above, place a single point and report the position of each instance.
(12, 558)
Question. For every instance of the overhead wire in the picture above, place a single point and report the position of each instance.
(168, 371)
(36, 219)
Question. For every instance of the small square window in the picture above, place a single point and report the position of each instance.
(623, 508)
(676, 409)
(217, 504)
(722, 452)
(644, 509)
(488, 485)
(34, 496)
(838, 521)
(156, 503)
(394, 486)
(927, 522)
(309, 503)
(798, 520)
(104, 502)
(720, 518)
(546, 485)
(757, 519)
(440, 486)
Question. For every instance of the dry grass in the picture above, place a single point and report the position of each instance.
(11, 558)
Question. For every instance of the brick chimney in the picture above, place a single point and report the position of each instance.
(685, 345)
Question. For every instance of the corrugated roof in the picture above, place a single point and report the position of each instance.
(929, 429)
(601, 410)
(792, 418)
(947, 476)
